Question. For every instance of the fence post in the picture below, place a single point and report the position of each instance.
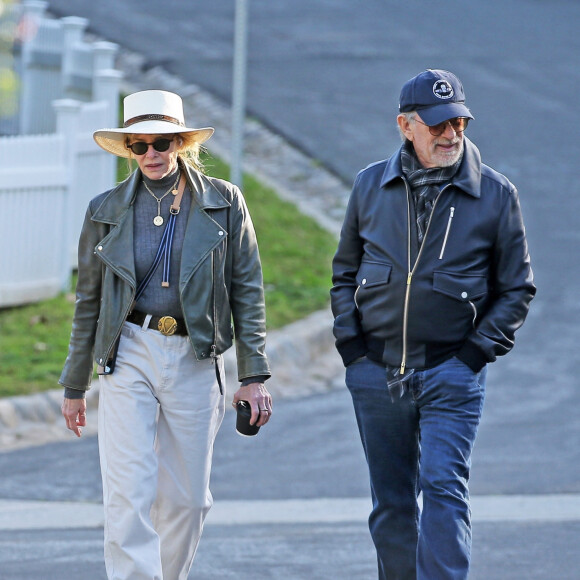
(106, 79)
(67, 113)
(104, 55)
(106, 85)
(72, 86)
(74, 28)
(32, 15)
(34, 8)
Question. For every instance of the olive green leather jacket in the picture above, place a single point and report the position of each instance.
(220, 279)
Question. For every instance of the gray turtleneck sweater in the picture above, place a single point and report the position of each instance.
(158, 300)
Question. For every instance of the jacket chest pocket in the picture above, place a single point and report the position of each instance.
(464, 287)
(370, 278)
(470, 289)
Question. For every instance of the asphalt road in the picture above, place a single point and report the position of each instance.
(310, 452)
(326, 75)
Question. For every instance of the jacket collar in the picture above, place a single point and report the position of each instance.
(467, 178)
(120, 198)
(205, 192)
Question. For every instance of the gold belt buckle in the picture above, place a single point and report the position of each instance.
(167, 325)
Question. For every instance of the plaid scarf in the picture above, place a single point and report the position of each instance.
(425, 184)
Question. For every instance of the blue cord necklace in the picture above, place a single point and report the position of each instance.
(164, 250)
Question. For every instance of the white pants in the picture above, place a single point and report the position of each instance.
(159, 413)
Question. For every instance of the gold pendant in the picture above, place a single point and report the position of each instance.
(158, 220)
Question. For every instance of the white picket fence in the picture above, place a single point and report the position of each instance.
(50, 171)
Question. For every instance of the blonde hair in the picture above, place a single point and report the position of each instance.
(190, 151)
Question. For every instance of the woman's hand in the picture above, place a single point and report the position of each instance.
(74, 412)
(260, 402)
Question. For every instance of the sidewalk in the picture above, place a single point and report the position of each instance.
(42, 515)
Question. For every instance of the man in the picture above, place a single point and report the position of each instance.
(431, 280)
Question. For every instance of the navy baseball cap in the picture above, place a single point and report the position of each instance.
(437, 95)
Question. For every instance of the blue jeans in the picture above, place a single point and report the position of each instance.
(420, 443)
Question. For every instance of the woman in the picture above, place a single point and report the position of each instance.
(167, 260)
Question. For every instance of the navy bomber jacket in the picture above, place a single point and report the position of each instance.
(463, 293)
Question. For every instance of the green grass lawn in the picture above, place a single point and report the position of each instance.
(296, 258)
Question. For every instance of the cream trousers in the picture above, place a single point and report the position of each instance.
(159, 414)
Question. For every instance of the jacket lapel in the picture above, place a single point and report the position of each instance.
(203, 233)
(116, 249)
(468, 178)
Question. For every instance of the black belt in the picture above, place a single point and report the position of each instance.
(166, 325)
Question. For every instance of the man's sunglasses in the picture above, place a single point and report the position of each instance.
(140, 147)
(458, 124)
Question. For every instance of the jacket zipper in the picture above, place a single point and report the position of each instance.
(411, 270)
(213, 353)
(451, 212)
(111, 350)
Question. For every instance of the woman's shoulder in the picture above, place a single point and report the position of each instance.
(222, 185)
(117, 198)
(98, 200)
(206, 183)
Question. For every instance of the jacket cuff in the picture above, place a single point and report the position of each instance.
(472, 356)
(352, 349)
(257, 379)
(74, 393)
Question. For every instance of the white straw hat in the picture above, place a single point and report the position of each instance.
(149, 113)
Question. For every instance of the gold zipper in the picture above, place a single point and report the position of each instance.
(405, 321)
(411, 271)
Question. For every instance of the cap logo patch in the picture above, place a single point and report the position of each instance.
(443, 90)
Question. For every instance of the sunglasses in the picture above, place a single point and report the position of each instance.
(458, 124)
(140, 147)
